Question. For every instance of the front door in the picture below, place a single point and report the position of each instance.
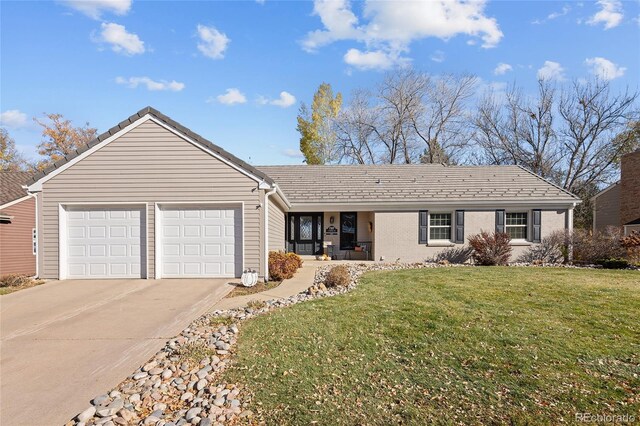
(305, 233)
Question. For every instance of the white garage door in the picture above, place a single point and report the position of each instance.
(106, 242)
(201, 242)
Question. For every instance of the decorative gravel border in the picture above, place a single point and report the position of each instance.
(179, 385)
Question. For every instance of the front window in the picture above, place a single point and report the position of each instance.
(440, 226)
(516, 225)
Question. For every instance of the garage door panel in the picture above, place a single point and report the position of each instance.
(170, 231)
(201, 242)
(105, 242)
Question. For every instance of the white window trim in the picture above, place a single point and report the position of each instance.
(439, 242)
(527, 226)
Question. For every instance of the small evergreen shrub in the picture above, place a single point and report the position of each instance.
(613, 263)
(490, 249)
(338, 276)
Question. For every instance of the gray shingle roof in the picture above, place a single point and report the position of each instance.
(412, 183)
(11, 185)
(169, 122)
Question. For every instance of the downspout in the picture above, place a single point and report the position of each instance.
(34, 195)
(266, 232)
(570, 229)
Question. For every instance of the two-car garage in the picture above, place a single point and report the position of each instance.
(188, 241)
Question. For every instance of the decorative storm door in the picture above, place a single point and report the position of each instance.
(305, 233)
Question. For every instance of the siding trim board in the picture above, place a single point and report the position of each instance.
(19, 200)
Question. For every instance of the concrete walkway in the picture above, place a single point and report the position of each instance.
(301, 281)
(63, 343)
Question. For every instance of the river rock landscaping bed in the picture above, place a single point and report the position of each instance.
(180, 384)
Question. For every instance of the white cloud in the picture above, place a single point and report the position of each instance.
(285, 100)
(212, 43)
(120, 40)
(13, 119)
(502, 69)
(437, 56)
(551, 71)
(292, 153)
(153, 85)
(374, 59)
(231, 97)
(555, 15)
(95, 8)
(604, 68)
(610, 14)
(388, 28)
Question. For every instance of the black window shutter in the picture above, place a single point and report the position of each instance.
(500, 221)
(423, 229)
(459, 227)
(537, 226)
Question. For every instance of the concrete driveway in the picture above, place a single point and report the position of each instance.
(63, 343)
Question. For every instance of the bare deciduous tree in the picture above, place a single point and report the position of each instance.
(355, 131)
(410, 118)
(591, 133)
(400, 97)
(441, 122)
(519, 130)
(573, 135)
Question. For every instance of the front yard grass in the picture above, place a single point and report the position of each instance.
(450, 346)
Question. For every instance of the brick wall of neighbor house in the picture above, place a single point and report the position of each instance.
(276, 226)
(16, 238)
(630, 187)
(607, 209)
(396, 233)
(150, 165)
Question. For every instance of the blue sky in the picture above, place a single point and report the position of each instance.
(236, 72)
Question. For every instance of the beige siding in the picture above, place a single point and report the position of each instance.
(396, 233)
(16, 238)
(150, 165)
(276, 226)
(607, 209)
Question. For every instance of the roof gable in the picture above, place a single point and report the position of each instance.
(133, 121)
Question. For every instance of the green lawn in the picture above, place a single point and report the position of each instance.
(450, 345)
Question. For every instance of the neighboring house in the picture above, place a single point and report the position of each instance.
(619, 204)
(151, 199)
(17, 225)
